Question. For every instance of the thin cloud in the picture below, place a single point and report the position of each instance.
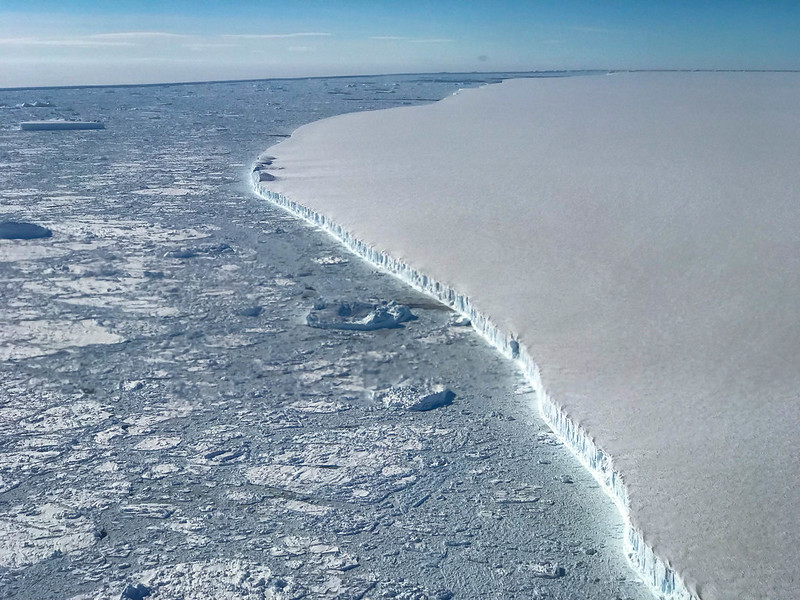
(410, 40)
(65, 42)
(276, 36)
(140, 35)
(206, 45)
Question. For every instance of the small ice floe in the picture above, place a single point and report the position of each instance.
(415, 397)
(137, 591)
(524, 495)
(59, 125)
(149, 510)
(460, 321)
(547, 570)
(156, 442)
(27, 339)
(330, 260)
(207, 250)
(17, 230)
(132, 385)
(358, 316)
(32, 533)
(36, 104)
(250, 311)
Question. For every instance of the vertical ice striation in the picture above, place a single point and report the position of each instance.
(651, 568)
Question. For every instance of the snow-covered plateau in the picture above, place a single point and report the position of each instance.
(632, 240)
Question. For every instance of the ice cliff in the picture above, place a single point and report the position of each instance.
(653, 570)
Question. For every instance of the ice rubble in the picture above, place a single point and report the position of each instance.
(358, 316)
(415, 397)
(647, 222)
(60, 125)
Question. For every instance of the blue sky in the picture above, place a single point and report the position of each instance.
(141, 41)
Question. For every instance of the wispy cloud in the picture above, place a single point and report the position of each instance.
(198, 46)
(410, 40)
(63, 42)
(276, 36)
(140, 35)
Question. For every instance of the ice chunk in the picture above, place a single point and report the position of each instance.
(14, 230)
(358, 316)
(547, 570)
(59, 125)
(416, 397)
(250, 311)
(135, 592)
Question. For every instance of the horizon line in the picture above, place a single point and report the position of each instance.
(365, 75)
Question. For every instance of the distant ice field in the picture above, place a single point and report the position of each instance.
(639, 234)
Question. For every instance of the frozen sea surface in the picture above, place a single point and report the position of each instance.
(169, 423)
(637, 236)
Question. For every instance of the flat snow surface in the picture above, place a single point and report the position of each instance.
(640, 233)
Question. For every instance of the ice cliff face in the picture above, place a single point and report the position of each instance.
(654, 571)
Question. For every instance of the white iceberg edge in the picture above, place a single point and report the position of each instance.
(654, 571)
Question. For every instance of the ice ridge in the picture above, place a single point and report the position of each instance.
(654, 571)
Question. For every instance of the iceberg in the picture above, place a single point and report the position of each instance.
(59, 125)
(415, 397)
(15, 230)
(632, 242)
(358, 316)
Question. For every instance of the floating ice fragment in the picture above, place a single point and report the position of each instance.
(135, 592)
(330, 260)
(460, 321)
(35, 104)
(59, 125)
(14, 230)
(416, 397)
(358, 316)
(198, 250)
(251, 311)
(547, 570)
